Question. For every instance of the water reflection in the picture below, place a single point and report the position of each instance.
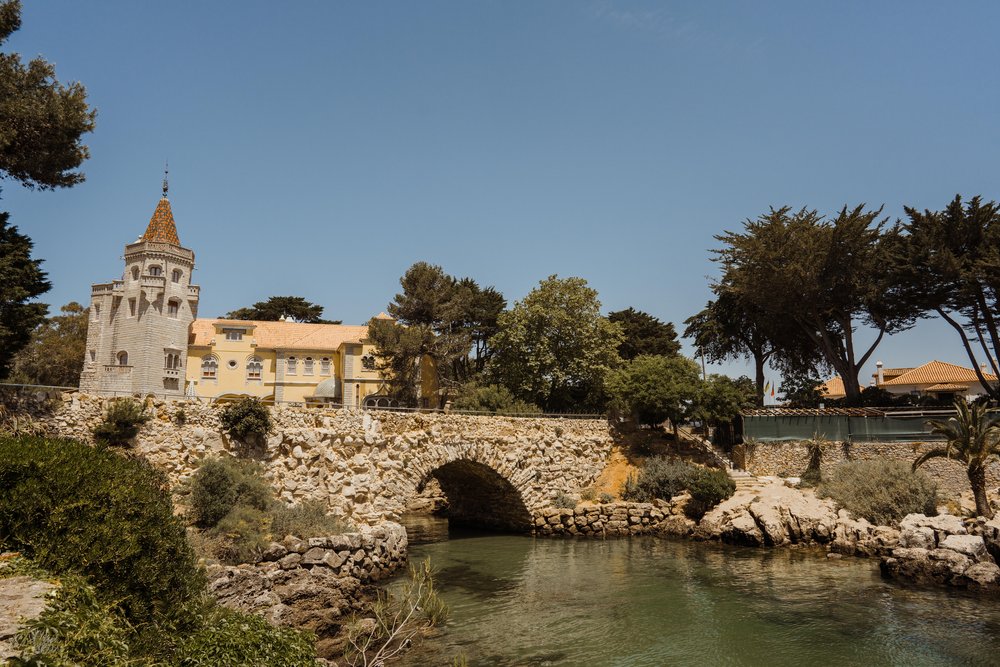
(524, 601)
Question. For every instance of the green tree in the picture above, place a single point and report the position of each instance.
(819, 278)
(41, 120)
(437, 318)
(554, 349)
(972, 437)
(277, 307)
(644, 334)
(52, 356)
(720, 400)
(947, 263)
(21, 280)
(656, 388)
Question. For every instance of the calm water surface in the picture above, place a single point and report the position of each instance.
(648, 601)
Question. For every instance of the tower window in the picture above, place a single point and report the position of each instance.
(173, 306)
(233, 334)
(307, 366)
(324, 366)
(155, 270)
(93, 355)
(209, 368)
(131, 307)
(292, 366)
(254, 368)
(123, 358)
(135, 273)
(97, 312)
(175, 276)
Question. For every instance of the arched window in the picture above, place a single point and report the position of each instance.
(307, 366)
(135, 273)
(155, 270)
(175, 276)
(172, 361)
(255, 368)
(368, 362)
(209, 368)
(357, 395)
(173, 307)
(123, 358)
(324, 366)
(292, 367)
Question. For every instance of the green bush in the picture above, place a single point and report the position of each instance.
(708, 487)
(246, 420)
(492, 398)
(605, 497)
(232, 639)
(76, 628)
(881, 491)
(220, 484)
(74, 508)
(243, 535)
(589, 494)
(308, 519)
(122, 422)
(660, 478)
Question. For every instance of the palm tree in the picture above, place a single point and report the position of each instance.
(972, 437)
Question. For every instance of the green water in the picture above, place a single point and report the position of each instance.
(648, 601)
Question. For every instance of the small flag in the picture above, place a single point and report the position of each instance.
(767, 386)
(772, 392)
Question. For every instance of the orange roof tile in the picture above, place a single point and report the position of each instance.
(284, 335)
(833, 388)
(161, 227)
(945, 386)
(890, 373)
(938, 372)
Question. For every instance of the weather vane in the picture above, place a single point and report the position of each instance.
(166, 173)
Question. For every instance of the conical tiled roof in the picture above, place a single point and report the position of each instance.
(161, 226)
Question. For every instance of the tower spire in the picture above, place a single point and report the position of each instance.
(166, 175)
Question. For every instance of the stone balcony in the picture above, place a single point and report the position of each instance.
(172, 372)
(117, 369)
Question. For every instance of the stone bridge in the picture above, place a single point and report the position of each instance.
(369, 465)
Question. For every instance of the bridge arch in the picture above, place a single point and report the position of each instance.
(483, 488)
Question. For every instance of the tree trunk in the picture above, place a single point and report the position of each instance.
(758, 362)
(977, 479)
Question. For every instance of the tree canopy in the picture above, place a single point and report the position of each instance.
(277, 307)
(554, 348)
(644, 334)
(41, 120)
(54, 355)
(438, 318)
(818, 278)
(656, 388)
(21, 280)
(947, 263)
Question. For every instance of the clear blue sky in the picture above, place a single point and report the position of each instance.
(320, 148)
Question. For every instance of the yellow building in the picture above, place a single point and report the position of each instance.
(144, 336)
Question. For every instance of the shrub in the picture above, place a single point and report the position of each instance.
(248, 421)
(308, 519)
(659, 478)
(122, 422)
(75, 508)
(220, 484)
(708, 487)
(564, 501)
(492, 398)
(605, 497)
(76, 628)
(589, 494)
(233, 639)
(243, 535)
(881, 491)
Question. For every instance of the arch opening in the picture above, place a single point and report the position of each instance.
(478, 496)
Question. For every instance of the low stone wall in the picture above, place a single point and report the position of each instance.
(313, 584)
(611, 520)
(366, 465)
(790, 459)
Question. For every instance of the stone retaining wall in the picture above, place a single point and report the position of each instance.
(313, 584)
(611, 520)
(790, 459)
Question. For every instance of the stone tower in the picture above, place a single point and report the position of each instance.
(138, 330)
